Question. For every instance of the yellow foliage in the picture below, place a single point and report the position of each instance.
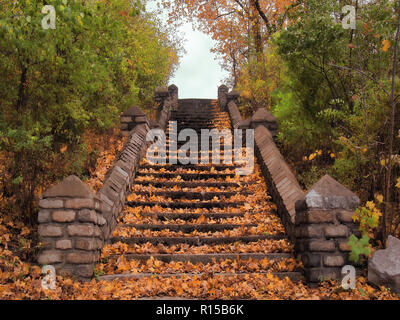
(385, 45)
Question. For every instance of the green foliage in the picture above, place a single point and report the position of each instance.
(368, 218)
(258, 80)
(359, 247)
(102, 57)
(323, 101)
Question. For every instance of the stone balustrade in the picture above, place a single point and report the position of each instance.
(318, 222)
(74, 222)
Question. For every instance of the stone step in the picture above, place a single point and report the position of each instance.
(183, 205)
(293, 276)
(199, 167)
(204, 196)
(207, 257)
(187, 228)
(199, 152)
(192, 184)
(215, 118)
(185, 176)
(195, 241)
(198, 126)
(181, 120)
(162, 216)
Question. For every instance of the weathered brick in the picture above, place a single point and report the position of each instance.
(79, 203)
(97, 232)
(88, 244)
(87, 215)
(66, 271)
(310, 231)
(64, 244)
(311, 260)
(101, 221)
(336, 231)
(81, 230)
(44, 216)
(50, 231)
(126, 119)
(50, 257)
(322, 274)
(321, 245)
(48, 244)
(343, 246)
(140, 119)
(319, 216)
(345, 216)
(63, 216)
(85, 271)
(334, 261)
(50, 204)
(97, 204)
(81, 257)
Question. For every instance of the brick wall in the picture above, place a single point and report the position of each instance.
(318, 222)
(70, 227)
(323, 226)
(75, 223)
(282, 183)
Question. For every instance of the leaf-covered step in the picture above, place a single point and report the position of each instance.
(208, 257)
(185, 176)
(190, 216)
(293, 276)
(196, 241)
(192, 184)
(204, 196)
(189, 227)
(183, 204)
(199, 167)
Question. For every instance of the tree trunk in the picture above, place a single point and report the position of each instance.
(392, 126)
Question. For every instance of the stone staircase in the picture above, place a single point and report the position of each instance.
(198, 220)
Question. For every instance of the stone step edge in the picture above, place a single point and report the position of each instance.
(206, 257)
(194, 184)
(188, 227)
(191, 195)
(191, 215)
(181, 205)
(293, 276)
(196, 240)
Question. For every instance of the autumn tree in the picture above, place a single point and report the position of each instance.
(56, 84)
(241, 28)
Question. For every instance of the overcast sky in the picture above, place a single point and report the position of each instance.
(199, 74)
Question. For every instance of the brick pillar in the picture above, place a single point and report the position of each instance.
(165, 104)
(131, 118)
(161, 94)
(222, 97)
(173, 94)
(233, 96)
(266, 119)
(70, 223)
(323, 225)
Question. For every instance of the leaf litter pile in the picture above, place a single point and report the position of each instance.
(20, 277)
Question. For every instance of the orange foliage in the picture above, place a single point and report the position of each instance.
(236, 25)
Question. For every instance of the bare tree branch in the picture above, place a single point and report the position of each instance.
(223, 15)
